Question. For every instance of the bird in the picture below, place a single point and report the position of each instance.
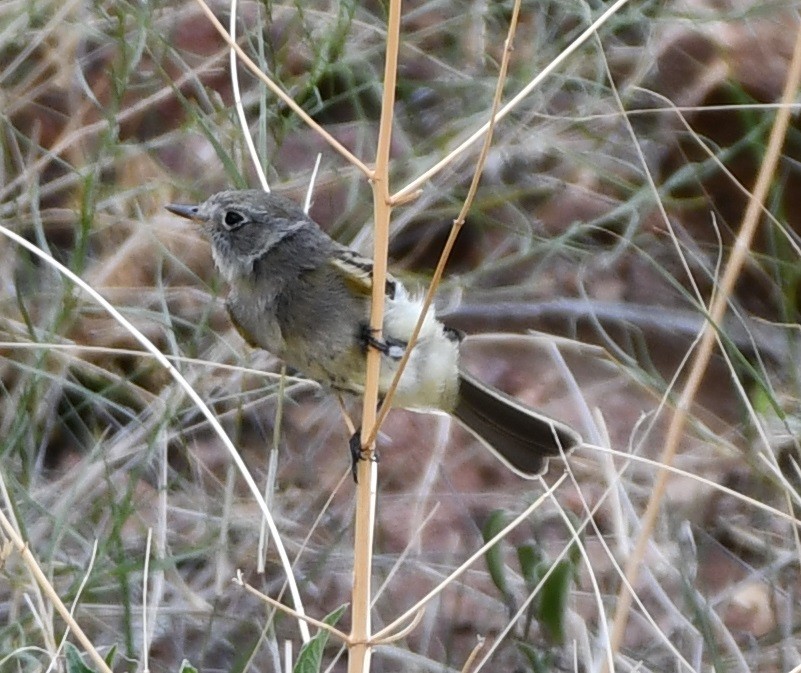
(299, 294)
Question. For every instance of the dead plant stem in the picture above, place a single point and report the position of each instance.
(286, 98)
(360, 650)
(457, 224)
(717, 311)
(45, 585)
(418, 182)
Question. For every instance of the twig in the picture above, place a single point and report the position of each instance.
(240, 110)
(286, 98)
(193, 395)
(47, 626)
(473, 654)
(455, 229)
(272, 468)
(403, 632)
(44, 584)
(286, 609)
(390, 628)
(145, 578)
(307, 202)
(417, 183)
(364, 524)
(75, 602)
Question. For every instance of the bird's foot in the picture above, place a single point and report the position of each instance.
(392, 348)
(357, 453)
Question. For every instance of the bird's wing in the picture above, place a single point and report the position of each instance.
(357, 272)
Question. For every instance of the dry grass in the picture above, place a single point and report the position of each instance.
(110, 110)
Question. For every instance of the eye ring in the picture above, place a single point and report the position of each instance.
(233, 219)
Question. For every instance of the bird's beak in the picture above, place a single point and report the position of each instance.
(189, 212)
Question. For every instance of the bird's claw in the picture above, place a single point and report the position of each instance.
(357, 453)
(370, 340)
(387, 346)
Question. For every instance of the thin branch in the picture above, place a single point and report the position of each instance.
(240, 110)
(417, 183)
(278, 605)
(403, 632)
(692, 476)
(286, 98)
(41, 579)
(360, 650)
(731, 274)
(272, 468)
(75, 602)
(277, 376)
(455, 229)
(145, 577)
(307, 202)
(193, 395)
(390, 628)
(473, 654)
(38, 597)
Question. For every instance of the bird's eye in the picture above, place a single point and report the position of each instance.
(233, 219)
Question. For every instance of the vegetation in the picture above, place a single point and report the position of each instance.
(629, 264)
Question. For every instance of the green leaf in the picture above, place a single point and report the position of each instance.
(539, 662)
(74, 662)
(311, 654)
(493, 555)
(532, 567)
(186, 667)
(553, 601)
(109, 658)
(574, 553)
(530, 559)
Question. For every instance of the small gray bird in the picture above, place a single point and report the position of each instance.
(299, 294)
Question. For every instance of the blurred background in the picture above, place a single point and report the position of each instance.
(611, 197)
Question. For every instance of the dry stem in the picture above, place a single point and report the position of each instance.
(457, 224)
(418, 182)
(193, 395)
(47, 588)
(364, 524)
(272, 86)
(709, 336)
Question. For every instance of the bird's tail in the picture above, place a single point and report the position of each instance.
(519, 436)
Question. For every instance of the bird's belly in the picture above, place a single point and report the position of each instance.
(430, 379)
